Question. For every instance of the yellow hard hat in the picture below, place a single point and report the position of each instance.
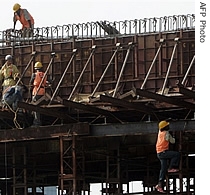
(163, 124)
(38, 65)
(16, 7)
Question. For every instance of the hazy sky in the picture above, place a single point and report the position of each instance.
(59, 12)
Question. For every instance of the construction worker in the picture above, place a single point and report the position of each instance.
(8, 73)
(25, 19)
(164, 154)
(13, 95)
(39, 83)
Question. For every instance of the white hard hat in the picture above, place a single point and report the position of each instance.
(8, 57)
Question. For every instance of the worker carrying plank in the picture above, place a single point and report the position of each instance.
(25, 19)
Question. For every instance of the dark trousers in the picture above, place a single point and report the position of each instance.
(37, 117)
(173, 157)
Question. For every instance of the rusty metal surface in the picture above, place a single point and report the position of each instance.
(101, 154)
(137, 66)
(101, 114)
(170, 100)
(42, 133)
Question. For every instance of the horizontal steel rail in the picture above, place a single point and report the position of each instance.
(99, 29)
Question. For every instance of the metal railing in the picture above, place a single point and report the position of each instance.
(99, 29)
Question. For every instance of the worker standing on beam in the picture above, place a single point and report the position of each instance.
(25, 19)
(164, 154)
(38, 88)
(8, 73)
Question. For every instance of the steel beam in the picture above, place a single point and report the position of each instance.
(162, 98)
(88, 108)
(138, 128)
(183, 90)
(46, 111)
(126, 104)
(44, 132)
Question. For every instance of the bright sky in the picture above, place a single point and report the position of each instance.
(60, 12)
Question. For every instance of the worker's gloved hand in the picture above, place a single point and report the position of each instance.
(33, 99)
(19, 32)
(48, 84)
(16, 76)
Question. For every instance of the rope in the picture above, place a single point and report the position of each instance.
(17, 125)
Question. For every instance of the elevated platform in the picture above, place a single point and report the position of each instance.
(100, 115)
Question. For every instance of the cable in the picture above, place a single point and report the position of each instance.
(5, 161)
(17, 125)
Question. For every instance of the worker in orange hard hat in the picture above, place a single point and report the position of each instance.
(164, 154)
(25, 19)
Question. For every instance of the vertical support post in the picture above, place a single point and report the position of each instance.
(34, 179)
(174, 184)
(102, 186)
(13, 172)
(25, 171)
(181, 163)
(136, 57)
(74, 164)
(107, 173)
(118, 171)
(61, 166)
(93, 72)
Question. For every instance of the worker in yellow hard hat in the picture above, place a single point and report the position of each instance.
(39, 82)
(36, 79)
(164, 154)
(25, 19)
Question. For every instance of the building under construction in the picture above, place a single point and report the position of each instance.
(112, 83)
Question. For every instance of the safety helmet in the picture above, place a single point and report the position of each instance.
(16, 7)
(38, 65)
(163, 124)
(8, 57)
